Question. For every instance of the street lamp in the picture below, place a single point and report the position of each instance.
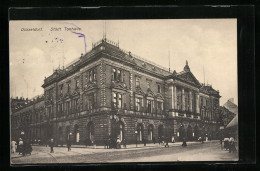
(136, 137)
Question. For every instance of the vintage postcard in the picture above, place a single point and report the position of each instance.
(109, 91)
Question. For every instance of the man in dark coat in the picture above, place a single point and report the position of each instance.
(184, 144)
(69, 145)
(52, 145)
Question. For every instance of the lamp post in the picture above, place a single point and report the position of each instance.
(136, 137)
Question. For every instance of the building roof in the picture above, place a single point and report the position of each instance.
(231, 106)
(233, 122)
(207, 89)
(112, 51)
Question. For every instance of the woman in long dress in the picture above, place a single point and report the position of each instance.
(13, 146)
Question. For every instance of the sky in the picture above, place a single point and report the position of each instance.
(205, 43)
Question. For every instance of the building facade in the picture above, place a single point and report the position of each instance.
(109, 92)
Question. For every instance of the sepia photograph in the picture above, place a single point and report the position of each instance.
(122, 91)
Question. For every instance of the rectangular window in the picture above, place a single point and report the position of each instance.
(87, 77)
(159, 88)
(68, 87)
(148, 84)
(138, 104)
(118, 75)
(137, 82)
(90, 76)
(119, 101)
(114, 100)
(114, 74)
(91, 101)
(77, 83)
(94, 75)
(68, 107)
(61, 89)
(149, 106)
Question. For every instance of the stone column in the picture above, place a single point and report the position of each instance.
(190, 102)
(197, 103)
(175, 96)
(172, 97)
(183, 99)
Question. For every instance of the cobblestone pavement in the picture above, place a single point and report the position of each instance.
(195, 151)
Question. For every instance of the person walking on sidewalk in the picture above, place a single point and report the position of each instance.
(13, 144)
(184, 144)
(124, 142)
(51, 145)
(69, 145)
(153, 140)
(166, 141)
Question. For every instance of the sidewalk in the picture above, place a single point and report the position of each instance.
(129, 146)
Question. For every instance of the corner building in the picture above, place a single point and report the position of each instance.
(110, 92)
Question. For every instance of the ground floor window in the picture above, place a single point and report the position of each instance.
(150, 132)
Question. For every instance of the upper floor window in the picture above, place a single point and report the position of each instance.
(61, 89)
(117, 75)
(68, 87)
(201, 102)
(77, 83)
(117, 100)
(158, 88)
(68, 106)
(149, 106)
(90, 76)
(138, 104)
(160, 106)
(137, 82)
(148, 83)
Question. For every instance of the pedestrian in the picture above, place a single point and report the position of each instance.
(118, 143)
(162, 140)
(51, 145)
(159, 139)
(153, 140)
(166, 140)
(202, 139)
(226, 143)
(20, 146)
(69, 145)
(13, 144)
(232, 147)
(173, 140)
(27, 148)
(184, 144)
(144, 142)
(124, 142)
(39, 142)
(105, 144)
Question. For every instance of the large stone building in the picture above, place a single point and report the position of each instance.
(111, 92)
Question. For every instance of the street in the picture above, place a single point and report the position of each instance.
(195, 151)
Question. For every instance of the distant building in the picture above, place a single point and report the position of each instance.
(231, 106)
(109, 92)
(226, 116)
